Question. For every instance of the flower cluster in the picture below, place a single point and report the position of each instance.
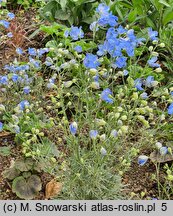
(75, 33)
(6, 23)
(148, 82)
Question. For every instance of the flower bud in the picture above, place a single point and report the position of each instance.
(162, 45)
(95, 85)
(119, 109)
(150, 48)
(93, 71)
(103, 151)
(155, 54)
(116, 115)
(67, 84)
(124, 117)
(100, 122)
(102, 137)
(158, 70)
(124, 129)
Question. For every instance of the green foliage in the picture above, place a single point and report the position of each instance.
(11, 173)
(24, 164)
(71, 12)
(151, 13)
(91, 178)
(26, 188)
(25, 184)
(5, 151)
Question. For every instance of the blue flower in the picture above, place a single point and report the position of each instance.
(121, 30)
(103, 151)
(66, 33)
(91, 61)
(4, 80)
(121, 62)
(142, 159)
(76, 33)
(11, 15)
(106, 96)
(163, 150)
(108, 20)
(138, 84)
(26, 89)
(144, 95)
(150, 81)
(15, 77)
(48, 61)
(1, 126)
(42, 51)
(19, 51)
(10, 34)
(111, 34)
(152, 62)
(50, 85)
(32, 51)
(131, 35)
(73, 128)
(170, 109)
(34, 62)
(125, 72)
(114, 133)
(94, 26)
(152, 34)
(96, 78)
(5, 23)
(78, 49)
(23, 104)
(93, 134)
(102, 50)
(103, 9)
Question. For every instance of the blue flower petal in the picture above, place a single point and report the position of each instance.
(93, 134)
(73, 128)
(163, 150)
(142, 159)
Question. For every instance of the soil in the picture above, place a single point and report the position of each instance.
(138, 180)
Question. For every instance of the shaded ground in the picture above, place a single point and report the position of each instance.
(5, 161)
(139, 179)
(140, 184)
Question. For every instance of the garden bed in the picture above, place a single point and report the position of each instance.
(86, 101)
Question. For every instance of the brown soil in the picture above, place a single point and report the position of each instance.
(138, 179)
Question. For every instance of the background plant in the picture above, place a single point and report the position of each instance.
(69, 12)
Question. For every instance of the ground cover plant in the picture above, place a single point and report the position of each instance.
(87, 112)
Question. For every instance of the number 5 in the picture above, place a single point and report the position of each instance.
(164, 207)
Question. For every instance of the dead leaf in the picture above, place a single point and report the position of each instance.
(6, 134)
(156, 157)
(53, 188)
